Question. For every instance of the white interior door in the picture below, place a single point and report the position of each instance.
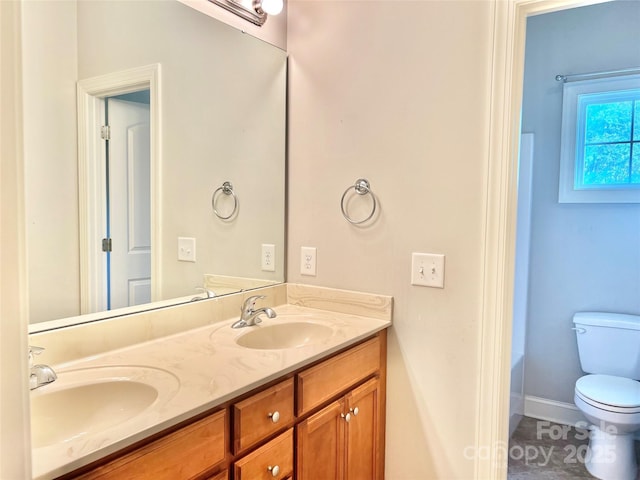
(129, 215)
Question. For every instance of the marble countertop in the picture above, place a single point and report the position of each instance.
(194, 371)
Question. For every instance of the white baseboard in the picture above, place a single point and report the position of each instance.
(557, 412)
(553, 411)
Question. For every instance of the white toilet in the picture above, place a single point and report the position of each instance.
(609, 397)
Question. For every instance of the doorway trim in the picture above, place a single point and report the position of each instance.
(500, 207)
(91, 93)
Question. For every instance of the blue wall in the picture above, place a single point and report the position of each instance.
(583, 256)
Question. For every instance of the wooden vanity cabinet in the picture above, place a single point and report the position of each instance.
(344, 440)
(339, 418)
(184, 454)
(324, 422)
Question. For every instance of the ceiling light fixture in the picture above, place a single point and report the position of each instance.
(270, 7)
(255, 11)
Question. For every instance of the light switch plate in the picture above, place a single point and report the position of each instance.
(186, 249)
(427, 270)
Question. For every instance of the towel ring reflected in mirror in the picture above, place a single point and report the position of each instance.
(225, 189)
(361, 187)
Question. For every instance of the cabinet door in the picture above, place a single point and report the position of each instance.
(362, 432)
(320, 444)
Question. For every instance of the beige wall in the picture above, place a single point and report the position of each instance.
(398, 92)
(51, 194)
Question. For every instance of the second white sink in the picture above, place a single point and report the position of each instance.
(86, 401)
(284, 335)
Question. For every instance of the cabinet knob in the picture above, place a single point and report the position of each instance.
(275, 470)
(355, 411)
(346, 417)
(275, 416)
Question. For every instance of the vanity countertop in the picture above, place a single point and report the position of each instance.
(202, 368)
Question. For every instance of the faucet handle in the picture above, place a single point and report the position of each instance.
(33, 350)
(250, 302)
(208, 293)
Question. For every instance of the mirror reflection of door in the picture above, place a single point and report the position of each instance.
(128, 202)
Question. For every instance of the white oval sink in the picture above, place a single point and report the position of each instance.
(82, 402)
(284, 335)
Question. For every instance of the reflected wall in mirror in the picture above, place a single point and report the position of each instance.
(221, 108)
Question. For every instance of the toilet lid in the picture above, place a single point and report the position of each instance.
(610, 390)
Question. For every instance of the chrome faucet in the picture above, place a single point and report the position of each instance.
(39, 375)
(249, 316)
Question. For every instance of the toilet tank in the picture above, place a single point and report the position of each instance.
(609, 343)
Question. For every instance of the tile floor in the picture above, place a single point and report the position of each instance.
(543, 450)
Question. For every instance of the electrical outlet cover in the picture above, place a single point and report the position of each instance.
(268, 262)
(308, 261)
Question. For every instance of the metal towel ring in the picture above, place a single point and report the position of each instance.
(361, 187)
(227, 189)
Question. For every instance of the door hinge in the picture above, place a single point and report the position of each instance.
(106, 244)
(105, 132)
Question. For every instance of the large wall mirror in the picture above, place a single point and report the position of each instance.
(217, 114)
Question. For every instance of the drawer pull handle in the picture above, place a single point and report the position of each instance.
(347, 417)
(275, 470)
(275, 416)
(355, 411)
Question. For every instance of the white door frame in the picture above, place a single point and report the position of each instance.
(15, 449)
(500, 206)
(91, 160)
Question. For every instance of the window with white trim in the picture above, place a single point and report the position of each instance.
(600, 155)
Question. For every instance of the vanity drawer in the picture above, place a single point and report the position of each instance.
(183, 454)
(261, 464)
(262, 415)
(328, 379)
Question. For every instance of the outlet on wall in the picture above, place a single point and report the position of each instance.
(268, 257)
(308, 261)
